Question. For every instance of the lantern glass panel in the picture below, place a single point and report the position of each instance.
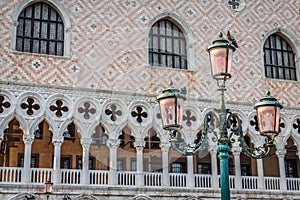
(268, 119)
(171, 116)
(218, 61)
(179, 111)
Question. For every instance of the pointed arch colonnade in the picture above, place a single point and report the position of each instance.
(140, 117)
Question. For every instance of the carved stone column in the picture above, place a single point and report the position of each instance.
(214, 168)
(280, 154)
(0, 142)
(86, 143)
(56, 160)
(165, 163)
(139, 145)
(190, 182)
(28, 139)
(113, 146)
(260, 173)
(1, 139)
(237, 163)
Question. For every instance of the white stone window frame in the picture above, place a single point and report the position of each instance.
(187, 34)
(65, 18)
(294, 44)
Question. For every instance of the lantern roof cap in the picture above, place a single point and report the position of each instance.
(268, 100)
(171, 91)
(221, 42)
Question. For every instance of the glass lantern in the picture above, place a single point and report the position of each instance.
(220, 53)
(268, 115)
(171, 108)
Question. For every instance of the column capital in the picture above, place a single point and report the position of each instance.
(113, 143)
(58, 140)
(28, 139)
(139, 144)
(280, 152)
(86, 142)
(236, 150)
(165, 147)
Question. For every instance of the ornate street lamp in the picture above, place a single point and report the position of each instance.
(48, 187)
(220, 53)
(171, 108)
(229, 124)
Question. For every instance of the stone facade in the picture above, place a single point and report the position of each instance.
(104, 77)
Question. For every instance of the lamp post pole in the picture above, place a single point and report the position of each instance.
(223, 147)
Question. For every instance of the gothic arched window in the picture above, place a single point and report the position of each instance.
(167, 45)
(40, 30)
(279, 58)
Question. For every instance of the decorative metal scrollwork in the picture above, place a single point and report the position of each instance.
(233, 125)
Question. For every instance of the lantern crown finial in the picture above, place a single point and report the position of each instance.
(220, 35)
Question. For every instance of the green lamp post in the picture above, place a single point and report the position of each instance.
(268, 116)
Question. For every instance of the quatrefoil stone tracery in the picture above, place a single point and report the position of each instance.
(59, 108)
(113, 112)
(189, 118)
(86, 110)
(30, 106)
(296, 125)
(3, 104)
(139, 114)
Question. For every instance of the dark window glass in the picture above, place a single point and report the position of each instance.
(152, 141)
(204, 168)
(33, 161)
(79, 162)
(176, 168)
(65, 162)
(245, 170)
(38, 134)
(167, 45)
(70, 133)
(279, 59)
(99, 137)
(133, 164)
(40, 30)
(291, 168)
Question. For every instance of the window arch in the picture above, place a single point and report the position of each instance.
(167, 45)
(279, 58)
(40, 29)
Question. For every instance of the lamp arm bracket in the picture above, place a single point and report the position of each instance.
(256, 152)
(234, 123)
(188, 149)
